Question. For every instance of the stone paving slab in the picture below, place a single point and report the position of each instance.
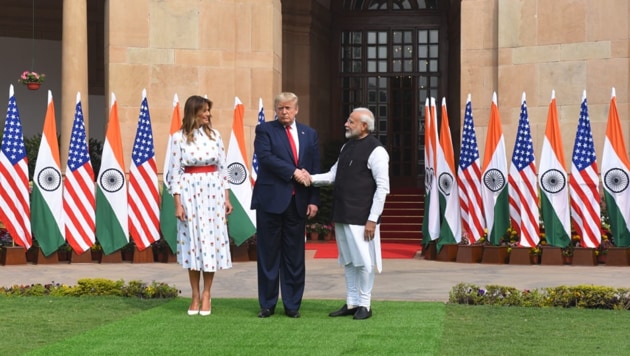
(406, 279)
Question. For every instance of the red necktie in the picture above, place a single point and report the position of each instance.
(295, 156)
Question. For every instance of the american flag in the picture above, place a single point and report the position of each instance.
(469, 180)
(261, 119)
(522, 181)
(15, 210)
(584, 183)
(79, 203)
(144, 203)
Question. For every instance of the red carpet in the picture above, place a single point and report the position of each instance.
(328, 249)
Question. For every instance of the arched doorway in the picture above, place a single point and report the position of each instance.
(390, 55)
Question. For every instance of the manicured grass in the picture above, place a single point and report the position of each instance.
(232, 329)
(492, 330)
(27, 323)
(128, 326)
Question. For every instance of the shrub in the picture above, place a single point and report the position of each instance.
(95, 287)
(582, 296)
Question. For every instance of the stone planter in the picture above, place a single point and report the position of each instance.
(551, 256)
(429, 251)
(495, 255)
(520, 256)
(12, 255)
(114, 257)
(51, 259)
(85, 257)
(469, 253)
(252, 252)
(448, 253)
(239, 253)
(164, 255)
(617, 256)
(144, 256)
(583, 256)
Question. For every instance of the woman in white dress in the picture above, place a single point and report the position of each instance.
(198, 181)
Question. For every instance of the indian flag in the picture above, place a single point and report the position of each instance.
(112, 229)
(451, 229)
(554, 197)
(47, 195)
(168, 221)
(494, 191)
(431, 222)
(242, 221)
(615, 176)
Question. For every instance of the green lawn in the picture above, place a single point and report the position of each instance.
(128, 326)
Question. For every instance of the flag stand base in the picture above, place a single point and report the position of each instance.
(13, 255)
(52, 259)
(144, 256)
(114, 257)
(448, 253)
(85, 257)
(469, 253)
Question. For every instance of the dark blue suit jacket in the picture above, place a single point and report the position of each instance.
(274, 184)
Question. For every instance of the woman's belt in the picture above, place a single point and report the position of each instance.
(200, 169)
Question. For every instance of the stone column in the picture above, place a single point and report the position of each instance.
(74, 70)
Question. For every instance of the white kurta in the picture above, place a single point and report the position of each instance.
(350, 238)
(202, 238)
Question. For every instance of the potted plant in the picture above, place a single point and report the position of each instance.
(127, 251)
(63, 252)
(567, 254)
(32, 80)
(97, 251)
(534, 254)
(314, 229)
(328, 230)
(602, 250)
(31, 253)
(158, 250)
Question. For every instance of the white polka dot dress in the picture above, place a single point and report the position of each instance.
(202, 238)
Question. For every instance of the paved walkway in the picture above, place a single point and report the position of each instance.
(409, 279)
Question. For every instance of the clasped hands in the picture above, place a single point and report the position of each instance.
(302, 176)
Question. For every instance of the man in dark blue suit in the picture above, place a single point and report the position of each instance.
(283, 148)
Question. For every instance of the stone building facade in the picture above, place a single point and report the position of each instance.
(256, 48)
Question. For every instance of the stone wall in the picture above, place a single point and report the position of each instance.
(536, 46)
(221, 49)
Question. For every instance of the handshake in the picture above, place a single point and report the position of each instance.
(302, 176)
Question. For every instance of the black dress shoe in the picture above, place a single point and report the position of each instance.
(265, 313)
(362, 313)
(292, 313)
(343, 311)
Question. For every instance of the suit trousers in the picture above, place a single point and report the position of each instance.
(281, 260)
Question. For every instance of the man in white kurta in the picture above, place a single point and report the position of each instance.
(361, 182)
